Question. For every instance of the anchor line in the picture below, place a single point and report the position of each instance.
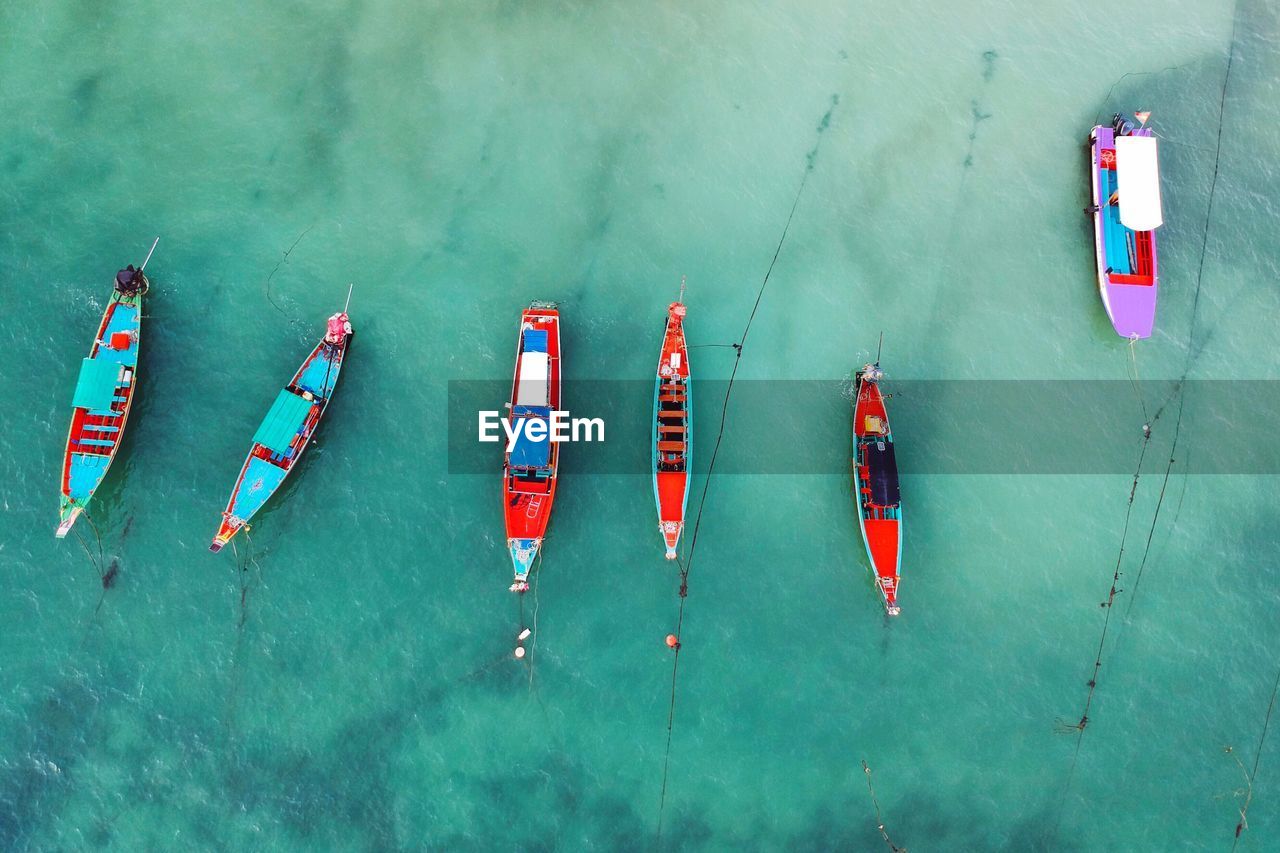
(1179, 391)
(104, 575)
(1213, 186)
(686, 567)
(237, 654)
(1134, 379)
(1079, 727)
(879, 818)
(1097, 119)
(1257, 758)
(266, 287)
(1155, 518)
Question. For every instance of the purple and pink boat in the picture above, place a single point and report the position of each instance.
(1126, 213)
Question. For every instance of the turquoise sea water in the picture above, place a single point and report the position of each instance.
(354, 688)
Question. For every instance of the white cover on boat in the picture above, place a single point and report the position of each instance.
(534, 373)
(1138, 182)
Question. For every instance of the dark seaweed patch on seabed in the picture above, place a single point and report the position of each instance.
(85, 94)
(48, 742)
(977, 114)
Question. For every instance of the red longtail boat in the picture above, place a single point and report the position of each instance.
(672, 430)
(875, 483)
(531, 463)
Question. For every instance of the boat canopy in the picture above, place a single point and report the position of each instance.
(883, 468)
(527, 452)
(286, 416)
(1138, 182)
(535, 340)
(96, 387)
(535, 371)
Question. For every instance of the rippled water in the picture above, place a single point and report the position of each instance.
(354, 687)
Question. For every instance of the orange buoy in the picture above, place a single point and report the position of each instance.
(672, 641)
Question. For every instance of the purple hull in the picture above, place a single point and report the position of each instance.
(1127, 266)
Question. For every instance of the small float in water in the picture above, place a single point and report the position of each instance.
(1126, 212)
(875, 483)
(531, 463)
(104, 395)
(287, 429)
(672, 429)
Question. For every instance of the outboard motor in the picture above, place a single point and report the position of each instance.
(338, 329)
(1121, 125)
(131, 282)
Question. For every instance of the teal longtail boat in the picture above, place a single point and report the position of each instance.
(104, 395)
(287, 429)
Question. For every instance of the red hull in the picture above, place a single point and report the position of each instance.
(672, 431)
(879, 507)
(529, 491)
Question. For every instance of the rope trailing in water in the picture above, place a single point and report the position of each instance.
(686, 568)
(246, 584)
(879, 818)
(1155, 517)
(106, 576)
(266, 287)
(1179, 392)
(1134, 379)
(1251, 776)
(1064, 727)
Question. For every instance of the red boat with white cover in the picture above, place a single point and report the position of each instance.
(529, 470)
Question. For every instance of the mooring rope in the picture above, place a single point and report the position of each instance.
(1179, 391)
(879, 818)
(686, 567)
(1252, 775)
(1063, 726)
(1155, 517)
(266, 287)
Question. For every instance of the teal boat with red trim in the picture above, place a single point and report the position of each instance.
(104, 396)
(287, 429)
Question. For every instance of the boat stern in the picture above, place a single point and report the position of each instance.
(229, 528)
(889, 589)
(67, 516)
(523, 553)
(671, 531)
(1131, 307)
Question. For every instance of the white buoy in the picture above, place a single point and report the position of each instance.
(519, 652)
(524, 635)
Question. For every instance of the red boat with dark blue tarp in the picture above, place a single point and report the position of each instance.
(287, 429)
(876, 485)
(531, 463)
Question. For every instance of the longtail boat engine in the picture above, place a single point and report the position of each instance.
(339, 328)
(131, 282)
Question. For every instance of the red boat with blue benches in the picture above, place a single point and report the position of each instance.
(287, 429)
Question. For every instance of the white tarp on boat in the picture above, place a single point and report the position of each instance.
(533, 385)
(1138, 182)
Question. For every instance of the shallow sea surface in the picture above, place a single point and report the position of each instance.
(354, 686)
